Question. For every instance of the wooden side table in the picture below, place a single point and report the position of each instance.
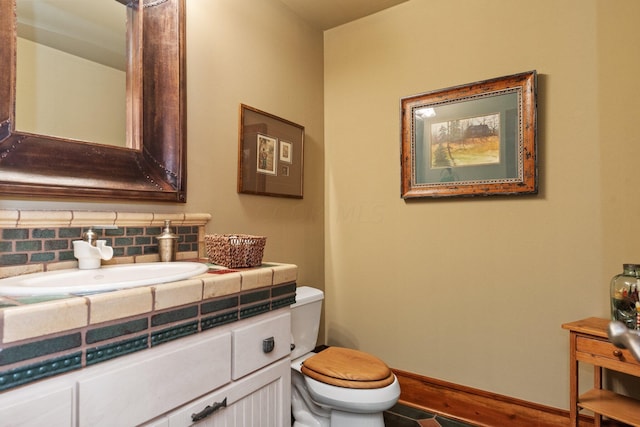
(588, 342)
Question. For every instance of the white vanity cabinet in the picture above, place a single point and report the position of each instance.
(245, 362)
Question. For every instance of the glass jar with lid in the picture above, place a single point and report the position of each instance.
(625, 305)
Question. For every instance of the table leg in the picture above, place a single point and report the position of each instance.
(597, 383)
(573, 383)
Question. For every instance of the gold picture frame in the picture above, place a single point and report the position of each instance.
(477, 139)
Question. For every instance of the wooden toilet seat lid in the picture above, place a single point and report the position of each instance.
(344, 367)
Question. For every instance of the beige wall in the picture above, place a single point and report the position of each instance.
(473, 291)
(468, 291)
(260, 54)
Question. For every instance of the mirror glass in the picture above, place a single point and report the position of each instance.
(71, 53)
(151, 165)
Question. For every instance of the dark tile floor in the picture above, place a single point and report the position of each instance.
(405, 416)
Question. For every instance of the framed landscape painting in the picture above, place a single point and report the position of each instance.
(477, 139)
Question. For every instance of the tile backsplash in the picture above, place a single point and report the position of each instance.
(32, 241)
(20, 246)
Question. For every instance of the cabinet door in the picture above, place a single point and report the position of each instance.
(261, 399)
(43, 404)
(153, 382)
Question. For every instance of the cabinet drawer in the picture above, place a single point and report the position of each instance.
(147, 384)
(251, 343)
(602, 353)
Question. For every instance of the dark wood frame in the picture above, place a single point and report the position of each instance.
(153, 170)
(515, 174)
(254, 122)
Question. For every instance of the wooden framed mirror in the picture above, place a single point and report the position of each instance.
(154, 169)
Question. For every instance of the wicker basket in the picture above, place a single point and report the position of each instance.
(235, 250)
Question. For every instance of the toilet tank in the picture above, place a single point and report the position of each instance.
(305, 320)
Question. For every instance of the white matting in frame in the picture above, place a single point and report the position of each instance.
(266, 160)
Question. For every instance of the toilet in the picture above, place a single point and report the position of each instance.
(336, 387)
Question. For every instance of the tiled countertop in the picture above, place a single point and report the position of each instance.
(46, 338)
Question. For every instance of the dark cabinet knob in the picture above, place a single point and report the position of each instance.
(268, 344)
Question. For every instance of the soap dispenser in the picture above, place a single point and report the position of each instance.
(167, 243)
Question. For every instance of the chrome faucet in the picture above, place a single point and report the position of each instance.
(90, 251)
(90, 236)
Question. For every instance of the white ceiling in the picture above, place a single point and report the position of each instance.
(326, 14)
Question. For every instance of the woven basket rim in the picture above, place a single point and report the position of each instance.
(235, 235)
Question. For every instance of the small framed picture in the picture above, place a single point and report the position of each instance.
(270, 155)
(286, 152)
(266, 160)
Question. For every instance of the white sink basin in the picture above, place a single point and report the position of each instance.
(107, 278)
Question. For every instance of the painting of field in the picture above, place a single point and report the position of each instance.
(466, 142)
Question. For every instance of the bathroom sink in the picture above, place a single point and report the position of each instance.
(107, 278)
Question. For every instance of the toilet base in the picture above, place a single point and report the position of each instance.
(305, 412)
(340, 419)
(349, 419)
(308, 414)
